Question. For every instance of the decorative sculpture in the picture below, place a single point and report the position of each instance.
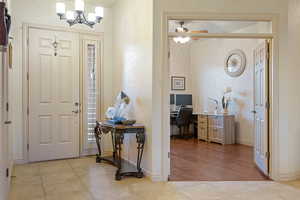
(121, 112)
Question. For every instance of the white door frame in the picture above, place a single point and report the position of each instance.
(25, 85)
(273, 74)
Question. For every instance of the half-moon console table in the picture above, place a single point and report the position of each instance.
(117, 132)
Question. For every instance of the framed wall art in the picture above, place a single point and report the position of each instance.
(177, 83)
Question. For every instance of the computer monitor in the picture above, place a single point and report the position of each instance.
(172, 99)
(184, 99)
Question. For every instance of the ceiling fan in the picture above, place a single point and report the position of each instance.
(183, 29)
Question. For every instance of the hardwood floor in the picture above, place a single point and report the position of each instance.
(193, 160)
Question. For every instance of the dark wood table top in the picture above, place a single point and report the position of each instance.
(120, 126)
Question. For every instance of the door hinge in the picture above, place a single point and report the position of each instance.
(168, 154)
(7, 172)
(169, 54)
(27, 110)
(27, 76)
(7, 107)
(268, 155)
(27, 147)
(27, 41)
(267, 105)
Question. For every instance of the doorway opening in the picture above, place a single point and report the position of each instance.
(219, 100)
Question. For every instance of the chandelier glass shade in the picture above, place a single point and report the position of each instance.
(78, 16)
(181, 40)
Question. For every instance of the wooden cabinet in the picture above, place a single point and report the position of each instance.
(216, 128)
(202, 127)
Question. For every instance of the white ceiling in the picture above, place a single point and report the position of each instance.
(104, 3)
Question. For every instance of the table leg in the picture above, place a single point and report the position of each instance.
(98, 142)
(113, 144)
(140, 137)
(119, 137)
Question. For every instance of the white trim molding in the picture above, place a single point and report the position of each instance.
(289, 176)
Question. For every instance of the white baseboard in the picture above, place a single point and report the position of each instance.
(244, 142)
(20, 161)
(89, 152)
(147, 173)
(289, 176)
(157, 178)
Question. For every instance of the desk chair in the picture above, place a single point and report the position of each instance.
(184, 120)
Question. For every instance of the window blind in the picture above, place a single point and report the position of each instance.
(91, 93)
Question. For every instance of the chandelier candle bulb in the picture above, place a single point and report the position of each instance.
(91, 17)
(70, 15)
(60, 8)
(79, 5)
(99, 12)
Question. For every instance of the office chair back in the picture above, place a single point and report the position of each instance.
(184, 116)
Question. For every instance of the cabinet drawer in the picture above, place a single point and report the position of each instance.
(202, 125)
(212, 132)
(215, 121)
(216, 134)
(202, 119)
(203, 134)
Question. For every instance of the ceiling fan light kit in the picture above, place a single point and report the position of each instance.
(183, 29)
(180, 39)
(78, 16)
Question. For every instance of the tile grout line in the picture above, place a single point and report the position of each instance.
(81, 180)
(42, 182)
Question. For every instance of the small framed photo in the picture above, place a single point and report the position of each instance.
(177, 83)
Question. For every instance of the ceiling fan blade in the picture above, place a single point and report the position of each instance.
(199, 31)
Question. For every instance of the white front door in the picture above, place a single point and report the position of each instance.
(53, 95)
(261, 107)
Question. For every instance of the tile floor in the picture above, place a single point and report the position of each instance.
(83, 179)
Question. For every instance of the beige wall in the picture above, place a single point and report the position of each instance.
(288, 126)
(132, 66)
(210, 80)
(44, 13)
(180, 65)
(290, 87)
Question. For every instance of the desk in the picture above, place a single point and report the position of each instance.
(117, 132)
(219, 128)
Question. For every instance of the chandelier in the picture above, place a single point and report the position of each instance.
(180, 39)
(78, 16)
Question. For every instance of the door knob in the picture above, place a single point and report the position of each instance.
(7, 122)
(75, 111)
(253, 111)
